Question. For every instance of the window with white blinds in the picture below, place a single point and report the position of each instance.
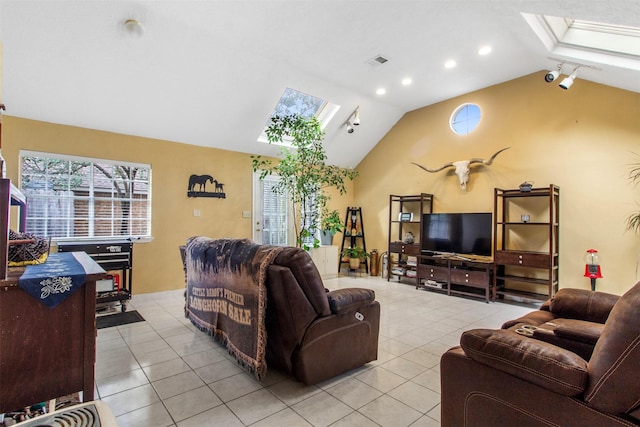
(275, 214)
(72, 197)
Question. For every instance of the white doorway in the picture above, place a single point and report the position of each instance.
(270, 212)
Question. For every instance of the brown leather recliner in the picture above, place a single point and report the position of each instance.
(502, 377)
(312, 333)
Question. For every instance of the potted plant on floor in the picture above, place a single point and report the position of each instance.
(355, 256)
(330, 225)
(303, 172)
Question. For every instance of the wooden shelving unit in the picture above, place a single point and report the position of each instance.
(353, 236)
(405, 215)
(526, 242)
(10, 195)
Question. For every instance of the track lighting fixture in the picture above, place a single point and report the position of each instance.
(568, 81)
(553, 74)
(353, 120)
(356, 118)
(349, 127)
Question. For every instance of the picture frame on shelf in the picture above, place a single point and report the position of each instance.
(405, 216)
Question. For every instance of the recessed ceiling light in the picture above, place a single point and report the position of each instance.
(484, 50)
(450, 64)
(406, 81)
(381, 91)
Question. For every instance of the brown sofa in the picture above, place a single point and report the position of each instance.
(312, 333)
(514, 377)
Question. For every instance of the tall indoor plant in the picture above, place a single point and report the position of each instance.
(303, 172)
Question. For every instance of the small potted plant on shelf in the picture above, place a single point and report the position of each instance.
(330, 225)
(355, 255)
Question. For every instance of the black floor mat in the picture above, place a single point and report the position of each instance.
(117, 319)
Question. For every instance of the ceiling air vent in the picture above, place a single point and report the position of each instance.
(378, 60)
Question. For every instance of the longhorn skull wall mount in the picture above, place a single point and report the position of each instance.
(462, 167)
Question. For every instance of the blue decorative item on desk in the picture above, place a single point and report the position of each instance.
(53, 281)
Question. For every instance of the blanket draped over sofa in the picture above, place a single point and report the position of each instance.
(227, 296)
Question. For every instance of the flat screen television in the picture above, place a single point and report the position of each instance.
(457, 233)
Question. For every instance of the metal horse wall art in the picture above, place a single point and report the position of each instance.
(200, 181)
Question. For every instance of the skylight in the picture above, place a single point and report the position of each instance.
(616, 45)
(295, 102)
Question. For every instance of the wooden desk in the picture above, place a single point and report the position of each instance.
(45, 352)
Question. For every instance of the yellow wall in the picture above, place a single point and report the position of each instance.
(157, 265)
(582, 140)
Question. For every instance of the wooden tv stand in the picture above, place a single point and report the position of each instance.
(456, 275)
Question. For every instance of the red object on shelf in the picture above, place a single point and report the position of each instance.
(592, 268)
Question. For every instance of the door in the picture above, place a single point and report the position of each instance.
(270, 213)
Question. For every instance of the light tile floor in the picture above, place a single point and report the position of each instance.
(164, 372)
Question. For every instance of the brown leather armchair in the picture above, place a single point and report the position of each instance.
(573, 319)
(312, 333)
(508, 377)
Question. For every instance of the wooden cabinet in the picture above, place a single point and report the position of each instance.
(465, 275)
(45, 352)
(405, 218)
(526, 248)
(523, 258)
(456, 276)
(326, 260)
(405, 248)
(433, 273)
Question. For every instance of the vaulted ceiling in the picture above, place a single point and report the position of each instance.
(209, 73)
